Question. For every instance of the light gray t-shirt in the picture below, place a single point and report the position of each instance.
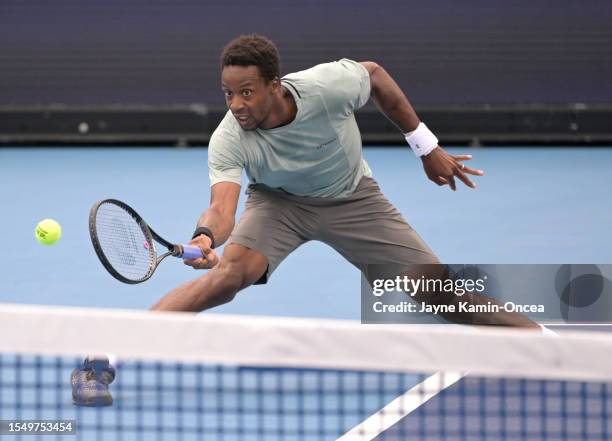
(318, 154)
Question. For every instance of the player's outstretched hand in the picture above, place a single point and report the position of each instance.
(210, 258)
(442, 168)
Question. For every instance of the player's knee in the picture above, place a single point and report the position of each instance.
(232, 278)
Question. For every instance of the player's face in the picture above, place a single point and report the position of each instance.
(247, 95)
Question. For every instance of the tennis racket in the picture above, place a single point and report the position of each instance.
(125, 243)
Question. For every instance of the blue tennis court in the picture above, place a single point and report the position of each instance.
(532, 206)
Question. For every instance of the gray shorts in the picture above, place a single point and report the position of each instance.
(365, 228)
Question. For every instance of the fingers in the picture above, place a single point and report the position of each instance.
(209, 256)
(471, 171)
(437, 179)
(442, 168)
(209, 260)
(461, 171)
(462, 157)
(465, 179)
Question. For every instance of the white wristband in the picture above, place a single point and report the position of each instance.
(421, 140)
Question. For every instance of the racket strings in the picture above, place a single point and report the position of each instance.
(126, 247)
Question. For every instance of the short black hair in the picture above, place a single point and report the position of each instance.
(253, 50)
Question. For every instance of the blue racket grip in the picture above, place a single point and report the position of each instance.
(190, 252)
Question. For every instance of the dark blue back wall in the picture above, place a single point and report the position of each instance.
(442, 52)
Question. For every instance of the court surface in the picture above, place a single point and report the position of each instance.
(534, 205)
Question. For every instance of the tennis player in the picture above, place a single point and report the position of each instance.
(297, 139)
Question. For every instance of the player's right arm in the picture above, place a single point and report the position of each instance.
(219, 219)
(221, 214)
(225, 166)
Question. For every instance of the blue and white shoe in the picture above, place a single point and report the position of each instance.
(90, 383)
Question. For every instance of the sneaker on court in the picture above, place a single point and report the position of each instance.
(90, 383)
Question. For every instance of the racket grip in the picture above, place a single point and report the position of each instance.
(190, 252)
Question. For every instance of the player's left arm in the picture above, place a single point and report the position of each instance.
(440, 166)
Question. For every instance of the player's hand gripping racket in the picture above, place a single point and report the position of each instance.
(124, 242)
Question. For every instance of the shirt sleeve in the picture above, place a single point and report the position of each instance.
(347, 85)
(225, 163)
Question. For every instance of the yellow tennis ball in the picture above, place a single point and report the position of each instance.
(48, 231)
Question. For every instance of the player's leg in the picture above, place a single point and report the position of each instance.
(465, 316)
(269, 229)
(371, 233)
(238, 268)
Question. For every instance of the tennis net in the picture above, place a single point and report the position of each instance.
(216, 377)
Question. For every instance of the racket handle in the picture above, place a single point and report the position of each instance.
(190, 252)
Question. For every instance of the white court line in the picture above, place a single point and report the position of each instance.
(407, 403)
(402, 406)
